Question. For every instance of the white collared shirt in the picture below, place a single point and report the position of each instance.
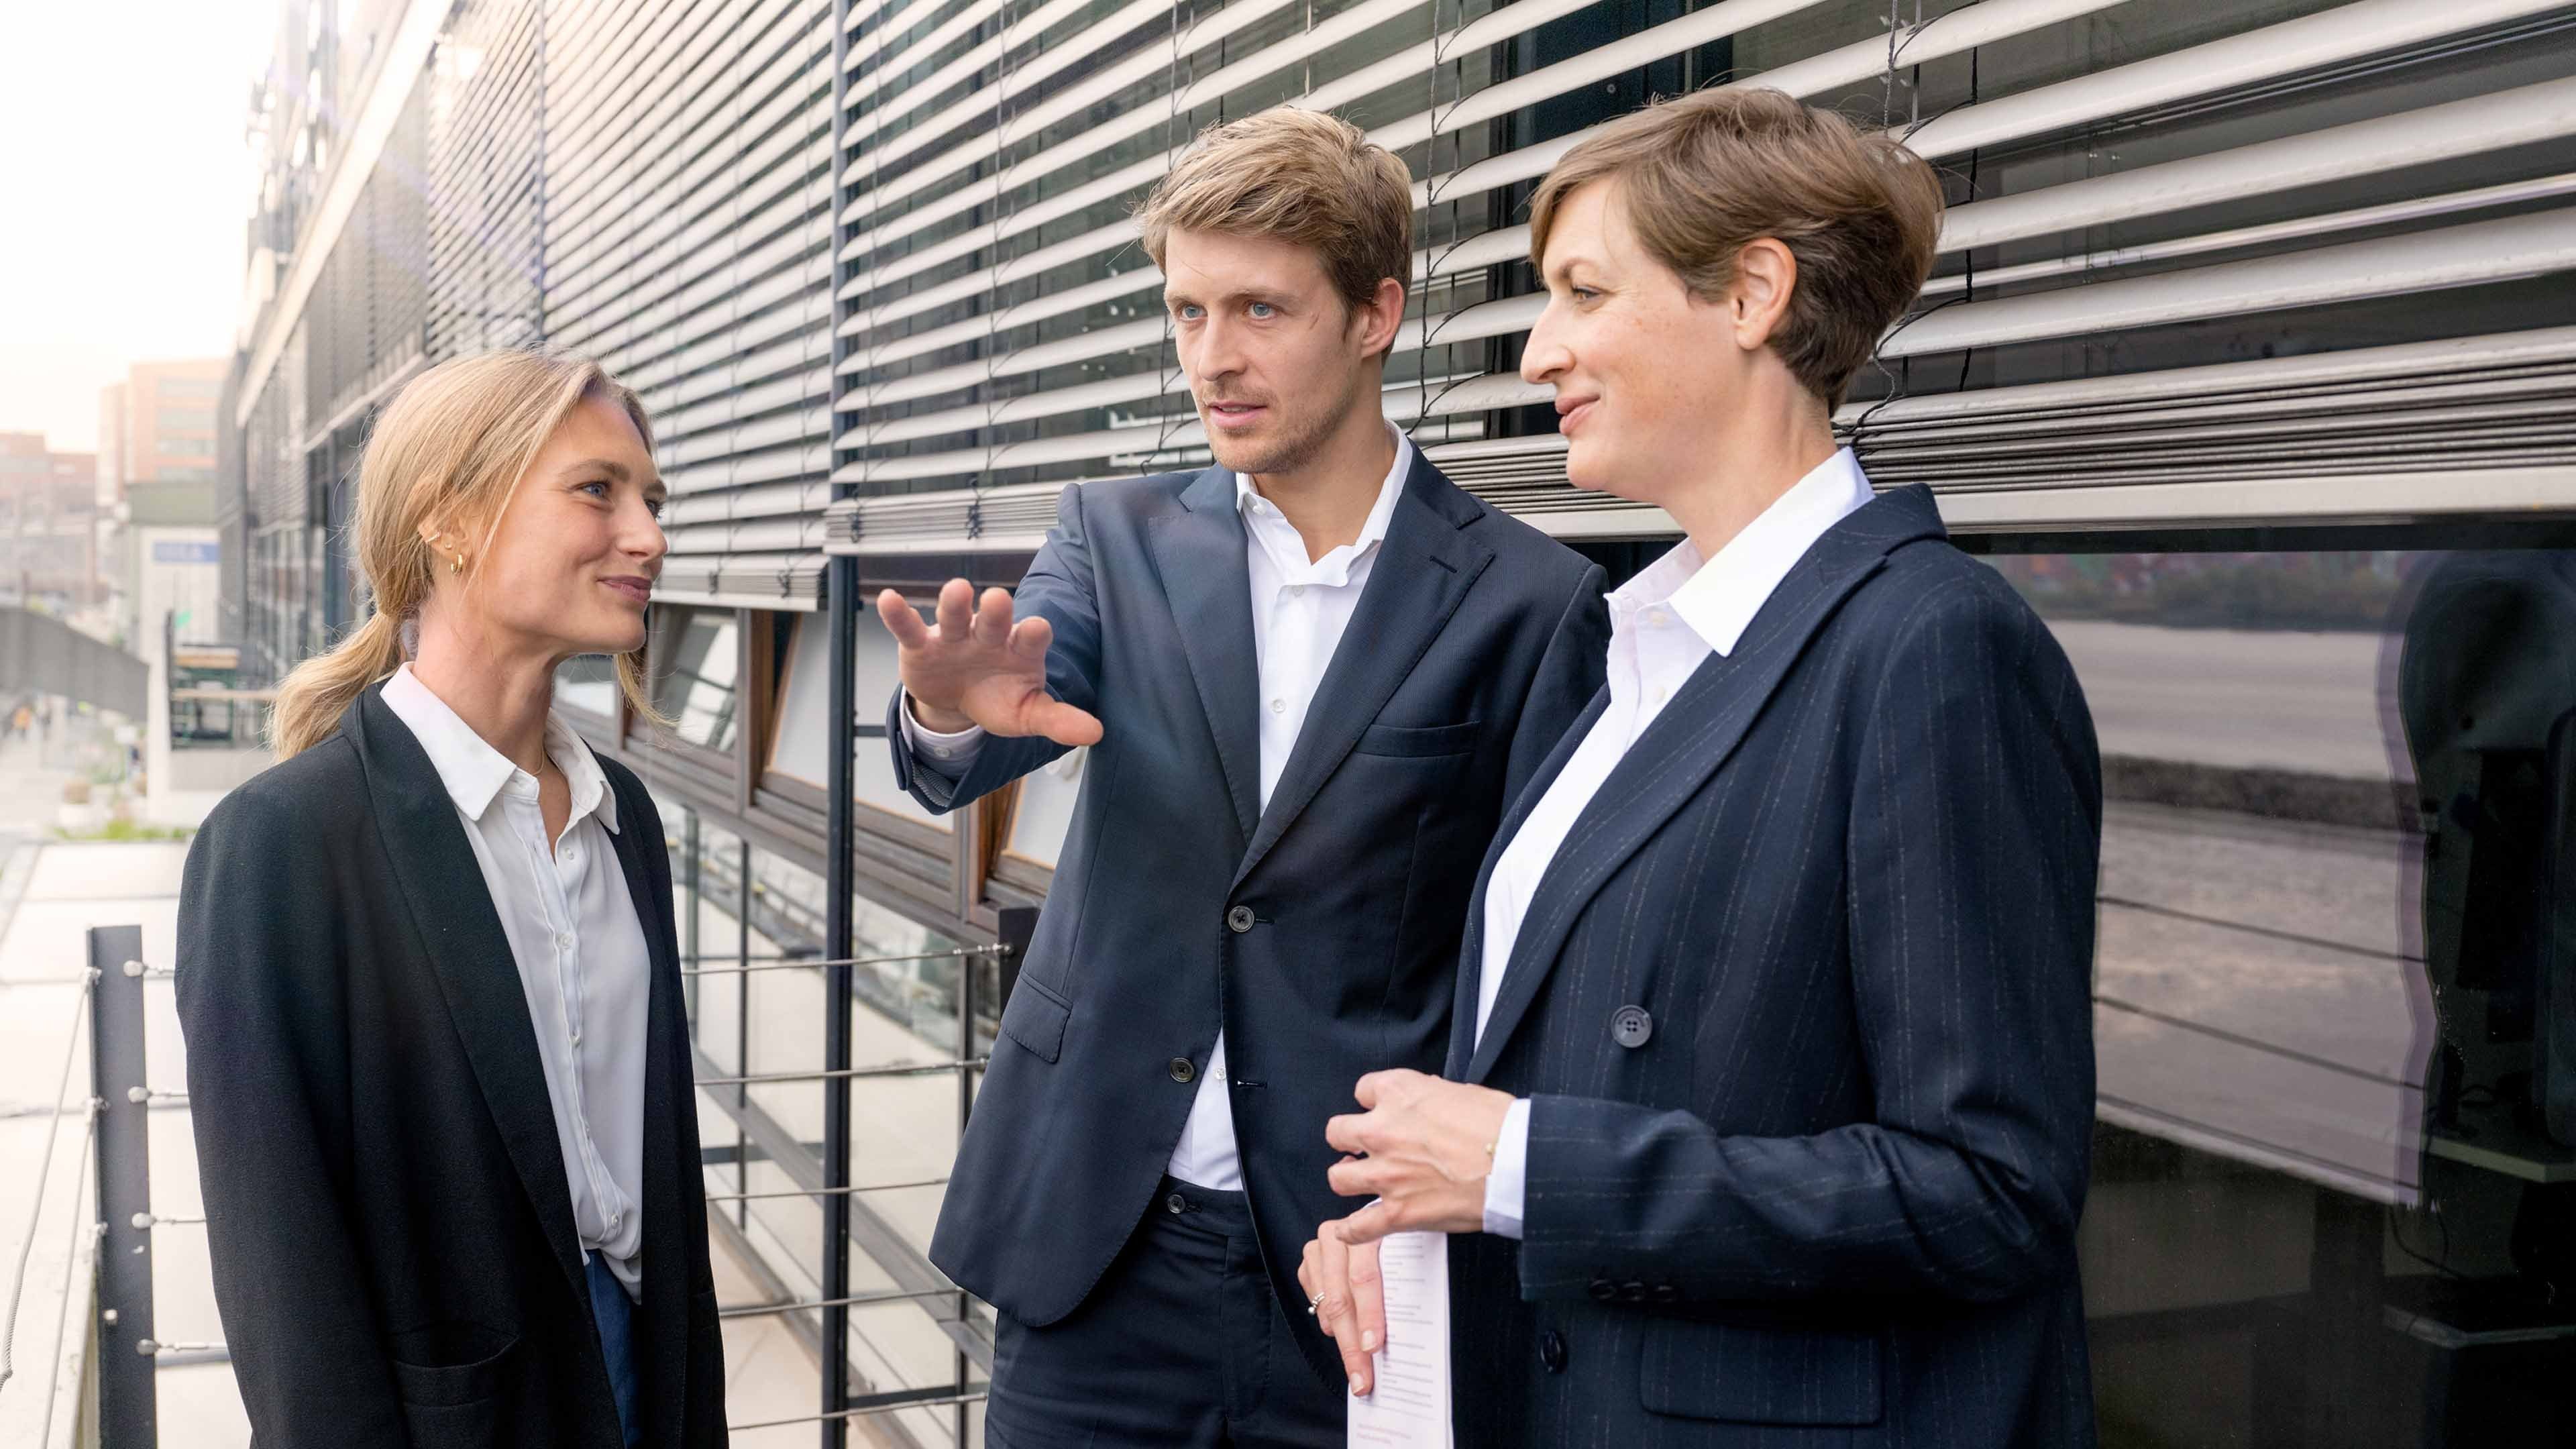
(579, 947)
(1300, 608)
(1664, 624)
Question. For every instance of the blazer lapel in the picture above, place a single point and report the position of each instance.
(1424, 568)
(669, 1183)
(1471, 948)
(1199, 553)
(451, 909)
(1689, 740)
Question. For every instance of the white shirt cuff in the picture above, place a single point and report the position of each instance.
(943, 749)
(1505, 1186)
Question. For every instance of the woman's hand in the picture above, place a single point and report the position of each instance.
(1423, 1149)
(1343, 1292)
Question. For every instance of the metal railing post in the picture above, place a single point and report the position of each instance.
(128, 1412)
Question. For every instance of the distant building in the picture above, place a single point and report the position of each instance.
(156, 468)
(48, 524)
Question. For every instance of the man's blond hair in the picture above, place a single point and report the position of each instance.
(1299, 176)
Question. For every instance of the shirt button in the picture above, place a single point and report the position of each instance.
(563, 942)
(1278, 706)
(1182, 1071)
(1296, 591)
(1658, 693)
(1658, 616)
(576, 1038)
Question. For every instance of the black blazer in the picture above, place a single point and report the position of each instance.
(1803, 1008)
(1322, 933)
(392, 1234)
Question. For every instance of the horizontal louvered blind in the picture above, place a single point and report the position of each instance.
(2130, 175)
(688, 236)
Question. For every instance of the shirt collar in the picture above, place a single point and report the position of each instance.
(1718, 597)
(1335, 566)
(474, 773)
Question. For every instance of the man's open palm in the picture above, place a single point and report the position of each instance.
(978, 667)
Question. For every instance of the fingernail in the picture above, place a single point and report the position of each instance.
(1368, 1340)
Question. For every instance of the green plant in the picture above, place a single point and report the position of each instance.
(127, 830)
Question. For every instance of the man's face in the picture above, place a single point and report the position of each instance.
(1275, 358)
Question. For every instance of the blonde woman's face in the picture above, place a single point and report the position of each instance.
(573, 563)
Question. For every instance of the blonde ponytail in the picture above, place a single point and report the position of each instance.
(319, 690)
(451, 446)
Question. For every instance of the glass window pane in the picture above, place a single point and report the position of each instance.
(2337, 1111)
(588, 682)
(694, 669)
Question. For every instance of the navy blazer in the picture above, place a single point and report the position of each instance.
(392, 1237)
(1322, 933)
(1803, 1010)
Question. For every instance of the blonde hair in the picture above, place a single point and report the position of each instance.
(450, 449)
(1701, 175)
(1299, 176)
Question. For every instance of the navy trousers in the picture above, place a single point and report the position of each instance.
(615, 1313)
(1182, 1343)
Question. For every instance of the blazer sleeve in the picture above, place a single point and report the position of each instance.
(1057, 587)
(260, 1008)
(1569, 674)
(1973, 843)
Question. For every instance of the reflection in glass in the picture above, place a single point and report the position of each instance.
(2332, 1014)
(694, 668)
(588, 682)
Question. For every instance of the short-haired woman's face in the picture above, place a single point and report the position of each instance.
(573, 563)
(1645, 373)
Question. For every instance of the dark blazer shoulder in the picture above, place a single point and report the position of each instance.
(294, 803)
(1134, 498)
(1529, 556)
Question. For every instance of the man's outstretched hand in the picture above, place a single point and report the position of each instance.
(980, 668)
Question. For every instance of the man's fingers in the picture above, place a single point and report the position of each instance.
(1368, 1296)
(993, 618)
(902, 620)
(956, 612)
(1030, 637)
(1063, 723)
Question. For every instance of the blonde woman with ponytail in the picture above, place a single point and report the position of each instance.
(427, 972)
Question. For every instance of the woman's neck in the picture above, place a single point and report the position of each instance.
(1762, 457)
(503, 699)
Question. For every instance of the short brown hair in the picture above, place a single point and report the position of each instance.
(1300, 176)
(1701, 175)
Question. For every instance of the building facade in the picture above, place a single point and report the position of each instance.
(157, 467)
(48, 524)
(2249, 359)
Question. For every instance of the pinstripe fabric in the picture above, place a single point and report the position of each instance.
(1832, 1198)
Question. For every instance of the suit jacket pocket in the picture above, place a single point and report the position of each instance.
(1035, 1017)
(1755, 1375)
(471, 1360)
(1448, 739)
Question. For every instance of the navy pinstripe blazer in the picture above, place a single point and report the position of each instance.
(1824, 1192)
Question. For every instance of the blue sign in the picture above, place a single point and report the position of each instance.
(187, 553)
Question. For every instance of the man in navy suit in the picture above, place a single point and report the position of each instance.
(1767, 1115)
(1310, 677)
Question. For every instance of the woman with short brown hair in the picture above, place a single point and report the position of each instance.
(1768, 1104)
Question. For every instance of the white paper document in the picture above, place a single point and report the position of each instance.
(1408, 1407)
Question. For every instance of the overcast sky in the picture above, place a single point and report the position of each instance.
(124, 187)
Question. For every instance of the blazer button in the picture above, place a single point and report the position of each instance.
(1551, 1351)
(1176, 1204)
(1182, 1071)
(1667, 1293)
(1239, 920)
(1631, 1027)
(1604, 1291)
(1633, 1291)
